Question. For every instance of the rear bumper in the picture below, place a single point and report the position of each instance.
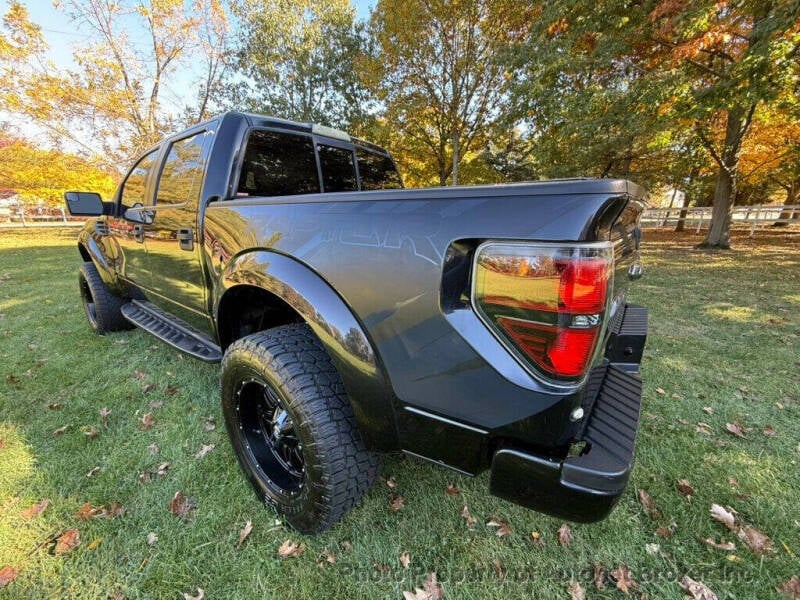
(585, 488)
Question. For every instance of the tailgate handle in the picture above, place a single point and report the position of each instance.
(138, 233)
(186, 238)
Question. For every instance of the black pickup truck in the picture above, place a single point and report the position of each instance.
(476, 327)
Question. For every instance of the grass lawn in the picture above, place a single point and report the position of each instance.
(724, 348)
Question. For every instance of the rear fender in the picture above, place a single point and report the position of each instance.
(340, 332)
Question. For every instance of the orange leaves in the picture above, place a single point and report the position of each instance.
(67, 541)
(35, 510)
(7, 575)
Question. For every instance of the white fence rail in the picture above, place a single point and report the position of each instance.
(15, 216)
(754, 217)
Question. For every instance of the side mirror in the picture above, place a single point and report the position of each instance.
(84, 204)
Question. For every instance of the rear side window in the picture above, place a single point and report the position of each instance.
(135, 187)
(377, 171)
(182, 175)
(278, 164)
(338, 169)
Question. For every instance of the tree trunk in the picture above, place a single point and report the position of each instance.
(792, 199)
(719, 234)
(456, 158)
(681, 224)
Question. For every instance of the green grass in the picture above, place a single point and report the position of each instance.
(724, 334)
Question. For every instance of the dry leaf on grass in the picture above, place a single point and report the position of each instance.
(791, 588)
(405, 559)
(245, 531)
(769, 431)
(503, 528)
(93, 471)
(291, 549)
(35, 510)
(756, 540)
(685, 488)
(152, 538)
(199, 596)
(153, 448)
(67, 541)
(499, 569)
(536, 537)
(60, 431)
(204, 449)
(660, 391)
(735, 429)
(104, 413)
(7, 575)
(90, 432)
(209, 425)
(396, 501)
(724, 516)
(721, 545)
(649, 505)
(624, 578)
(147, 421)
(181, 505)
(599, 576)
(391, 482)
(576, 591)
(326, 557)
(468, 518)
(452, 489)
(564, 535)
(664, 532)
(696, 589)
(431, 590)
(137, 374)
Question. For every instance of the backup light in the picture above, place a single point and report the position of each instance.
(547, 302)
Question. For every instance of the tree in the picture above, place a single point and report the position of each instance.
(299, 60)
(440, 83)
(113, 102)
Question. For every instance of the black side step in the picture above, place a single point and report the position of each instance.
(171, 330)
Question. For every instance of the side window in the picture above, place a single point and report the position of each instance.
(182, 174)
(134, 189)
(377, 171)
(338, 169)
(278, 164)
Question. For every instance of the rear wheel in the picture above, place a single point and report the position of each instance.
(292, 427)
(102, 307)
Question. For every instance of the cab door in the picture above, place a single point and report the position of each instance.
(135, 203)
(174, 246)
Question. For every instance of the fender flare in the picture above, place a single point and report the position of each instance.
(335, 325)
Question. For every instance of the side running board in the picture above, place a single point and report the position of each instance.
(172, 330)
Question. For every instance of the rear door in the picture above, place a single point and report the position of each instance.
(177, 279)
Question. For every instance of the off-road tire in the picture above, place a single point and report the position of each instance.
(338, 468)
(101, 305)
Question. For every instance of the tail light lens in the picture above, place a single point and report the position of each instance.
(546, 302)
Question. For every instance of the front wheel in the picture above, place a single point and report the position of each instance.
(101, 305)
(292, 427)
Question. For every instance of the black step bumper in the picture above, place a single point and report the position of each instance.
(582, 488)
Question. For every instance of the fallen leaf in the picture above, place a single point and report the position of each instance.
(724, 516)
(790, 588)
(35, 510)
(381, 568)
(170, 390)
(200, 595)
(733, 482)
(498, 568)
(137, 374)
(564, 535)
(664, 532)
(94, 544)
(326, 557)
(245, 531)
(346, 546)
(652, 549)
(291, 549)
(708, 410)
(60, 431)
(145, 477)
(537, 538)
(431, 590)
(90, 432)
(624, 578)
(648, 504)
(67, 541)
(104, 413)
(54, 406)
(93, 471)
(396, 502)
(152, 538)
(452, 489)
(115, 510)
(576, 591)
(660, 391)
(696, 589)
(204, 449)
(149, 387)
(721, 545)
(209, 425)
(87, 511)
(161, 470)
(685, 488)
(7, 575)
(147, 421)
(756, 540)
(153, 448)
(703, 428)
(405, 559)
(468, 518)
(181, 505)
(599, 576)
(503, 528)
(735, 429)
(769, 431)
(391, 482)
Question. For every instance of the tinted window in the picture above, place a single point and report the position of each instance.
(377, 171)
(338, 169)
(182, 175)
(135, 186)
(278, 164)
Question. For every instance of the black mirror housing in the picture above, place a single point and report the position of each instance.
(84, 204)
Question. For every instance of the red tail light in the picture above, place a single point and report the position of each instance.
(546, 302)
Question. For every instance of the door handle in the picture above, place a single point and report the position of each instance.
(138, 233)
(185, 238)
